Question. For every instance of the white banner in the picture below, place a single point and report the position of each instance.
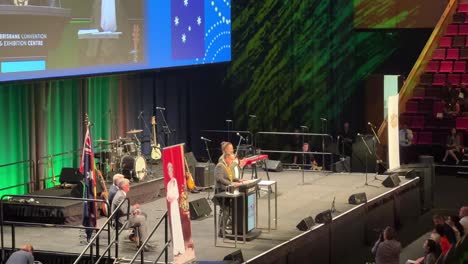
(392, 128)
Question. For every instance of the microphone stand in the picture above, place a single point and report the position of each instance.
(167, 131)
(303, 155)
(208, 197)
(370, 152)
(376, 156)
(324, 131)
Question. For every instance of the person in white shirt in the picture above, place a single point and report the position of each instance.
(406, 140)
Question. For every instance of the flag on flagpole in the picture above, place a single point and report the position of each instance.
(89, 184)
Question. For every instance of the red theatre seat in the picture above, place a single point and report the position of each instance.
(452, 30)
(433, 66)
(463, 8)
(425, 138)
(439, 54)
(446, 66)
(462, 123)
(446, 42)
(463, 30)
(454, 79)
(439, 79)
(417, 122)
(464, 78)
(412, 107)
(438, 108)
(453, 54)
(459, 66)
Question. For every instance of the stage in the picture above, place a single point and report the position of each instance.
(295, 202)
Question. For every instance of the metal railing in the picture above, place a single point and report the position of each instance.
(32, 169)
(167, 241)
(3, 223)
(115, 240)
(49, 162)
(323, 153)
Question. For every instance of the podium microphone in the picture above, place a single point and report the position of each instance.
(205, 139)
(160, 108)
(141, 113)
(371, 125)
(239, 135)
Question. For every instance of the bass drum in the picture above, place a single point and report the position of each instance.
(133, 167)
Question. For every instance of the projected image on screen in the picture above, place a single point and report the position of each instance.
(51, 38)
(383, 14)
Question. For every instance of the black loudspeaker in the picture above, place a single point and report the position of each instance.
(391, 181)
(324, 217)
(199, 208)
(235, 257)
(204, 174)
(274, 165)
(342, 165)
(306, 224)
(70, 175)
(357, 198)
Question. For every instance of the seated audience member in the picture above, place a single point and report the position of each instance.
(136, 217)
(454, 222)
(307, 160)
(450, 94)
(115, 186)
(386, 249)
(448, 231)
(458, 108)
(443, 240)
(464, 218)
(453, 146)
(406, 139)
(430, 253)
(22, 256)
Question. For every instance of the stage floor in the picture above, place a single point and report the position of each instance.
(295, 202)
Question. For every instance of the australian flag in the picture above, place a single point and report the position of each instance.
(187, 29)
(89, 180)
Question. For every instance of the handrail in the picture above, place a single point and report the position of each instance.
(12, 223)
(32, 174)
(420, 65)
(114, 214)
(142, 246)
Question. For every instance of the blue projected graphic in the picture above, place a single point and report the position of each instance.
(144, 34)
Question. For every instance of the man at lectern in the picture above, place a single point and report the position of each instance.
(224, 176)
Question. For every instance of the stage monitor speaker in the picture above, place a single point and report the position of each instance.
(70, 175)
(199, 208)
(357, 198)
(306, 224)
(204, 174)
(391, 181)
(274, 165)
(191, 162)
(235, 257)
(342, 165)
(324, 217)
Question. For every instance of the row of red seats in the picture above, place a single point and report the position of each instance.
(453, 41)
(456, 29)
(425, 106)
(450, 54)
(446, 66)
(442, 79)
(463, 8)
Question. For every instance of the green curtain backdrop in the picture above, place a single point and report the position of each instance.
(15, 117)
(44, 121)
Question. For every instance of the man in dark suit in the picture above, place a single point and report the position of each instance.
(135, 218)
(224, 175)
(115, 186)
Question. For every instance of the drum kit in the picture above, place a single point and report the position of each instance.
(122, 155)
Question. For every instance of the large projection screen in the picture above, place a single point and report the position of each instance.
(52, 38)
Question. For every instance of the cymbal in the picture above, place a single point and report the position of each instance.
(135, 131)
(101, 140)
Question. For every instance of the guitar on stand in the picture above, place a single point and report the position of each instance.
(156, 148)
(189, 178)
